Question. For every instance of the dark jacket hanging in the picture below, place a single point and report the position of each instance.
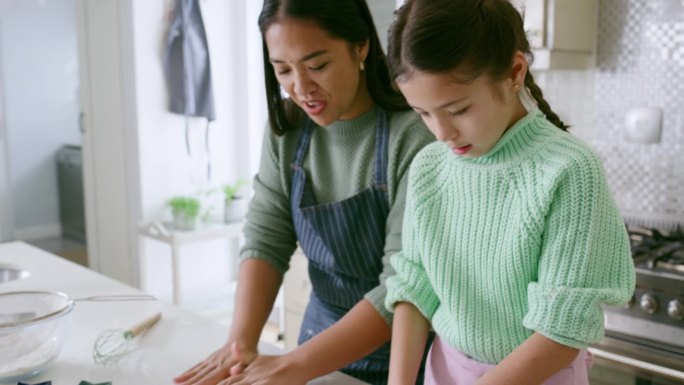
(186, 63)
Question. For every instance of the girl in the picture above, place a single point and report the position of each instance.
(333, 179)
(511, 237)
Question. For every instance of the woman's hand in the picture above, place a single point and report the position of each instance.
(269, 370)
(229, 360)
(258, 284)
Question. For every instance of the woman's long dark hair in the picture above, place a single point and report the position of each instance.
(349, 20)
(476, 36)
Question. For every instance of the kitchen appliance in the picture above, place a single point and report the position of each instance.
(70, 184)
(650, 328)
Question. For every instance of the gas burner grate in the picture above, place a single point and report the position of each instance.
(656, 250)
(674, 261)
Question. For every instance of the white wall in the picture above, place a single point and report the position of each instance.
(165, 168)
(383, 15)
(6, 211)
(38, 47)
(236, 135)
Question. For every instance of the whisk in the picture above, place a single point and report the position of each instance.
(111, 345)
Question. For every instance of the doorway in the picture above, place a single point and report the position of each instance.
(39, 66)
(6, 212)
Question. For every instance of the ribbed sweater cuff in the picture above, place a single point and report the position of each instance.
(277, 263)
(571, 316)
(410, 285)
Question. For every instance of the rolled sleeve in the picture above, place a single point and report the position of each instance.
(392, 244)
(410, 284)
(585, 259)
(376, 297)
(570, 316)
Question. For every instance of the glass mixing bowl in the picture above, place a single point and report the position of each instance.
(32, 328)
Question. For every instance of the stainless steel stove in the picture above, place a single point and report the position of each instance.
(650, 328)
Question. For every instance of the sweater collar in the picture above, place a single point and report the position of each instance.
(352, 127)
(516, 141)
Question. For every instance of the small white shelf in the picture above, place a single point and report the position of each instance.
(164, 232)
(175, 238)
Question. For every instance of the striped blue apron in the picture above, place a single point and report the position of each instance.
(344, 243)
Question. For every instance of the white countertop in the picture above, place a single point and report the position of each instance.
(177, 342)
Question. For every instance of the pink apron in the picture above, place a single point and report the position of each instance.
(446, 365)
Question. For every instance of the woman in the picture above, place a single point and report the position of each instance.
(332, 178)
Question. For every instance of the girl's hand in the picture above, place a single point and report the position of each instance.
(229, 360)
(268, 370)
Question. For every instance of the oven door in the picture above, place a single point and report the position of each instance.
(624, 361)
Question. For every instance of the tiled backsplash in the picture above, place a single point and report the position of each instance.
(640, 63)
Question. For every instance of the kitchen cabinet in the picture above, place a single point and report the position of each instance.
(562, 33)
(297, 289)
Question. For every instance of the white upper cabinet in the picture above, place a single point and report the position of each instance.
(562, 33)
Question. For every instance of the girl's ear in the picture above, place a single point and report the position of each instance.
(518, 69)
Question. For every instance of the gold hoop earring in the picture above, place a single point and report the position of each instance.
(362, 66)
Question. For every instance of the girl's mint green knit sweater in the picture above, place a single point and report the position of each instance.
(523, 239)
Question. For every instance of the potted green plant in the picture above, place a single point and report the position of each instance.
(235, 204)
(185, 211)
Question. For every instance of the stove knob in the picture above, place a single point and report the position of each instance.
(675, 309)
(648, 303)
